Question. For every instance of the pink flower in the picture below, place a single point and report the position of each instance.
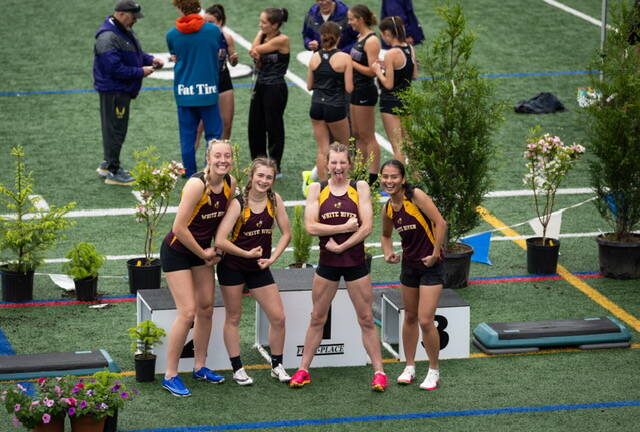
(17, 407)
(35, 403)
(41, 380)
(48, 402)
(22, 388)
(15, 421)
(46, 418)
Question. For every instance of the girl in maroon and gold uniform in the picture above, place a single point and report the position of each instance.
(339, 212)
(422, 231)
(187, 260)
(245, 236)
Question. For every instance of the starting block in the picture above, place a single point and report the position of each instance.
(528, 336)
(28, 366)
(452, 319)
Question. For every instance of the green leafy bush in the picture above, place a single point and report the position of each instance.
(144, 336)
(84, 261)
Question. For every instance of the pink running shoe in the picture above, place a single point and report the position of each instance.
(299, 379)
(379, 382)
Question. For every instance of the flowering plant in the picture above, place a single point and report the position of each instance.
(101, 395)
(30, 411)
(154, 181)
(548, 162)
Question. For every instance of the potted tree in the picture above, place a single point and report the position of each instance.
(27, 234)
(449, 119)
(155, 182)
(548, 162)
(613, 121)
(83, 265)
(301, 240)
(143, 338)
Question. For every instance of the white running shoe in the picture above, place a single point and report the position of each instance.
(432, 381)
(240, 376)
(281, 374)
(407, 376)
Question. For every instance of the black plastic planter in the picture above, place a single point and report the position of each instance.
(86, 289)
(145, 368)
(542, 259)
(143, 277)
(17, 286)
(619, 260)
(456, 267)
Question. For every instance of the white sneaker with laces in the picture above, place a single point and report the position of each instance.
(407, 376)
(432, 381)
(240, 376)
(281, 374)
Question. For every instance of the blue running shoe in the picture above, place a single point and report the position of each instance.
(208, 375)
(176, 387)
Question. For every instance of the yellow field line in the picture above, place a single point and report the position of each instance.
(590, 292)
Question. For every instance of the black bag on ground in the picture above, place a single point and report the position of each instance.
(543, 103)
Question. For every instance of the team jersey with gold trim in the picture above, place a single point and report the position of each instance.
(416, 232)
(206, 216)
(337, 210)
(250, 231)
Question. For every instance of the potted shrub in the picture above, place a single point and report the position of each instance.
(613, 122)
(91, 403)
(155, 182)
(548, 162)
(144, 337)
(43, 413)
(83, 265)
(449, 119)
(301, 240)
(27, 234)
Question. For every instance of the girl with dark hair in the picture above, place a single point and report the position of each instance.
(365, 93)
(395, 75)
(270, 51)
(422, 231)
(187, 261)
(249, 221)
(342, 235)
(330, 74)
(215, 15)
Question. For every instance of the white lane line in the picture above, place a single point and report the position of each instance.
(173, 209)
(301, 83)
(577, 13)
(39, 203)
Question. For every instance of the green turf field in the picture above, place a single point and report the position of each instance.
(48, 106)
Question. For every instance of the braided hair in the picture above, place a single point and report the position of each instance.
(257, 162)
(408, 187)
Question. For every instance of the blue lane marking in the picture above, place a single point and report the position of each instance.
(290, 84)
(408, 416)
(7, 349)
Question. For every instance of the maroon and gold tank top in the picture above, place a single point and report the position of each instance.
(416, 233)
(206, 216)
(336, 210)
(250, 231)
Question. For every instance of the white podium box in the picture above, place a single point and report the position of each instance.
(341, 342)
(158, 306)
(453, 320)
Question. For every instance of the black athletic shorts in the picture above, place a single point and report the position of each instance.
(367, 96)
(328, 113)
(428, 276)
(349, 273)
(252, 279)
(389, 105)
(173, 260)
(224, 82)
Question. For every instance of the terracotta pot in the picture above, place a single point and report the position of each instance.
(55, 425)
(87, 423)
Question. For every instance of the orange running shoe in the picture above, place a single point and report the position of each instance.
(300, 378)
(379, 382)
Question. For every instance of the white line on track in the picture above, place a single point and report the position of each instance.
(299, 82)
(577, 13)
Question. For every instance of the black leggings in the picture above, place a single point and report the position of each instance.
(266, 120)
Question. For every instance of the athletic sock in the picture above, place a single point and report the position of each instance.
(372, 178)
(236, 363)
(276, 359)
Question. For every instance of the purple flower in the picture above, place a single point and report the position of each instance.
(71, 411)
(135, 392)
(83, 404)
(89, 392)
(46, 418)
(124, 395)
(75, 390)
(15, 421)
(115, 388)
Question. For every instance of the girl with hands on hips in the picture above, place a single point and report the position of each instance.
(245, 236)
(422, 231)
